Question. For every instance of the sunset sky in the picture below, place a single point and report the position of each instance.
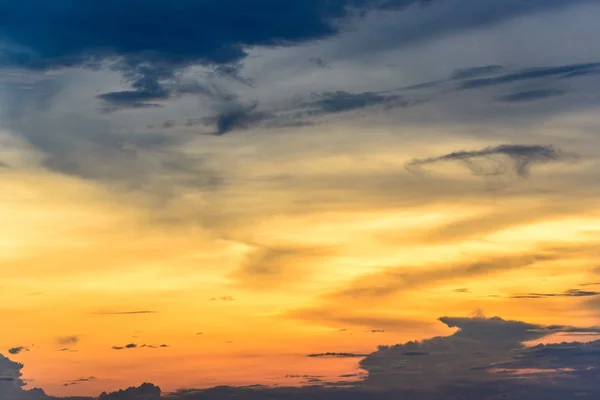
(203, 193)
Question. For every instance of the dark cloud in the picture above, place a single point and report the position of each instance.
(150, 40)
(473, 353)
(127, 346)
(338, 355)
(237, 116)
(146, 391)
(567, 293)
(562, 71)
(12, 384)
(17, 350)
(340, 101)
(80, 380)
(375, 331)
(153, 346)
(529, 96)
(490, 160)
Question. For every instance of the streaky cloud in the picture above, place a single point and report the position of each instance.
(522, 157)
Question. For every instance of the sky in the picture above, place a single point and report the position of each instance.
(307, 199)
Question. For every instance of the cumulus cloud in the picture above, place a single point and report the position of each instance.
(12, 385)
(475, 352)
(492, 160)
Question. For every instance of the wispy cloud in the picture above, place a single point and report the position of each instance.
(492, 160)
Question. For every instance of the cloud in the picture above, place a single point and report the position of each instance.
(146, 391)
(489, 160)
(275, 264)
(67, 340)
(17, 350)
(337, 355)
(473, 72)
(341, 101)
(562, 71)
(529, 96)
(11, 383)
(136, 346)
(127, 346)
(461, 290)
(473, 353)
(80, 380)
(237, 116)
(567, 293)
(126, 312)
(394, 280)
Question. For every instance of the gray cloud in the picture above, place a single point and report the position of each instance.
(529, 96)
(488, 161)
(17, 350)
(563, 71)
(478, 348)
(236, 116)
(340, 102)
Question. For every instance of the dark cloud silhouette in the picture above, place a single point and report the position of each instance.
(127, 346)
(567, 293)
(490, 160)
(473, 353)
(18, 349)
(375, 331)
(146, 391)
(339, 355)
(12, 385)
(529, 96)
(80, 380)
